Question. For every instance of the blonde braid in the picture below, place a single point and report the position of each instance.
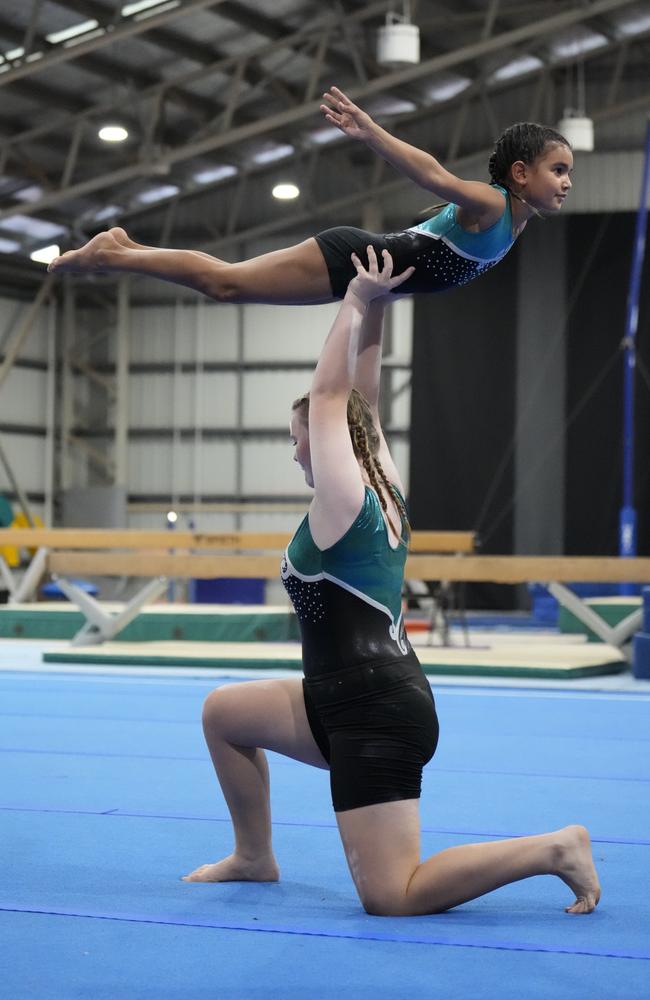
(370, 463)
(365, 442)
(394, 492)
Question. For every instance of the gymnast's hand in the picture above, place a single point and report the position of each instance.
(372, 283)
(349, 118)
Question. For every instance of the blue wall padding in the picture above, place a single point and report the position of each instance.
(641, 655)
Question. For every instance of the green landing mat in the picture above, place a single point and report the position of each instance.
(158, 622)
(541, 660)
(611, 609)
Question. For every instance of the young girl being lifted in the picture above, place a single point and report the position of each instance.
(530, 171)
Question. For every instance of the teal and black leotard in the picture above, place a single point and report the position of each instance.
(443, 253)
(348, 598)
(368, 702)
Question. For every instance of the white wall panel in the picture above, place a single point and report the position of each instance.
(151, 400)
(268, 396)
(217, 327)
(214, 402)
(401, 320)
(26, 456)
(268, 469)
(203, 521)
(401, 401)
(400, 454)
(12, 315)
(286, 333)
(169, 467)
(23, 397)
(182, 399)
(182, 333)
(280, 521)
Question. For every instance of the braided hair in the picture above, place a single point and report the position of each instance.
(365, 444)
(524, 141)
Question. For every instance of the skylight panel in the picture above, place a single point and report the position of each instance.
(144, 8)
(578, 45)
(517, 67)
(633, 23)
(29, 194)
(153, 195)
(392, 106)
(273, 153)
(8, 246)
(211, 175)
(56, 37)
(323, 136)
(446, 88)
(38, 229)
(109, 212)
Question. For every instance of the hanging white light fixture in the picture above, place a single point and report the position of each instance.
(575, 125)
(398, 42)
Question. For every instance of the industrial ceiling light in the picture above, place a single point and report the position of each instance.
(45, 254)
(113, 133)
(285, 192)
(578, 130)
(398, 42)
(575, 125)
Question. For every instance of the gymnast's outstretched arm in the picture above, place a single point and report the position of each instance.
(482, 202)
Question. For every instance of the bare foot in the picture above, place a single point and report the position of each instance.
(124, 239)
(96, 255)
(234, 869)
(576, 868)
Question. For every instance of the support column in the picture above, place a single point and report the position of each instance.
(121, 398)
(69, 318)
(541, 390)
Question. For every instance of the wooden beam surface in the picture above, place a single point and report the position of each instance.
(529, 569)
(496, 569)
(108, 538)
(203, 567)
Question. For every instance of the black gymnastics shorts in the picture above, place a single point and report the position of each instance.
(376, 726)
(406, 248)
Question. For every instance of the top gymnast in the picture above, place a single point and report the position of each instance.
(530, 172)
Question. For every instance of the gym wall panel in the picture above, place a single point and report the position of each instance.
(166, 399)
(268, 469)
(291, 333)
(23, 398)
(463, 405)
(268, 396)
(599, 262)
(169, 467)
(26, 456)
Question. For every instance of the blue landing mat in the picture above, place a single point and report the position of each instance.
(107, 797)
(127, 869)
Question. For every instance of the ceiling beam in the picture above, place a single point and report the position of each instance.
(181, 45)
(114, 32)
(292, 116)
(227, 64)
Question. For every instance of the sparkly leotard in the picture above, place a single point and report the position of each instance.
(368, 703)
(443, 253)
(348, 597)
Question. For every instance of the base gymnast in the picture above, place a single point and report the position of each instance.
(364, 708)
(530, 172)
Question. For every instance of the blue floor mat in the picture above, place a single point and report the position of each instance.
(107, 797)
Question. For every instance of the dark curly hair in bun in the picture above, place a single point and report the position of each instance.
(523, 141)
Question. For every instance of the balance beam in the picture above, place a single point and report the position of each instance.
(108, 538)
(529, 569)
(489, 569)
